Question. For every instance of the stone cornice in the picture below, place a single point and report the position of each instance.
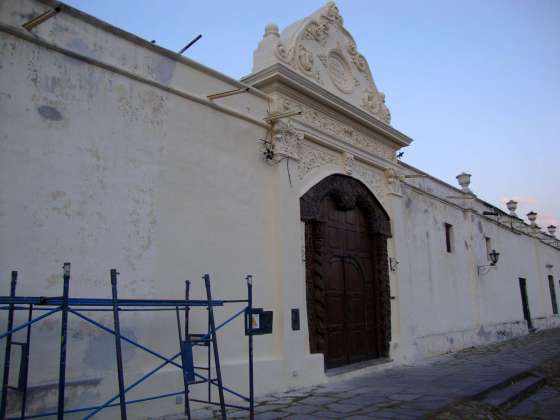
(281, 75)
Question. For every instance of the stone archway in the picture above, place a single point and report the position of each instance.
(347, 275)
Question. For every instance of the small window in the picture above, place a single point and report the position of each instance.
(552, 295)
(449, 237)
(488, 242)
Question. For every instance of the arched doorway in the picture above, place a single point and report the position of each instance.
(347, 277)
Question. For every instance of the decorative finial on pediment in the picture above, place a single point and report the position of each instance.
(271, 30)
(332, 13)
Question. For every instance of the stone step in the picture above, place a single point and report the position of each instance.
(501, 396)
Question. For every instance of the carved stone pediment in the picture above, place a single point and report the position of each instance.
(321, 49)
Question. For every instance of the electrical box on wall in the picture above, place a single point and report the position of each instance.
(295, 319)
(258, 322)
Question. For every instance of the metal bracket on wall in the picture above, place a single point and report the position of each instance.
(36, 21)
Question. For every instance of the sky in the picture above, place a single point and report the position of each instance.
(475, 84)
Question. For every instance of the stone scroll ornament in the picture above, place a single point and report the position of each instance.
(287, 141)
(323, 50)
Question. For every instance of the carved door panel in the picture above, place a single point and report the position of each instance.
(337, 352)
(349, 293)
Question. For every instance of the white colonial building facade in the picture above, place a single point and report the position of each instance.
(116, 152)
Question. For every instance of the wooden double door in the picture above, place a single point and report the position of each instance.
(349, 294)
(346, 271)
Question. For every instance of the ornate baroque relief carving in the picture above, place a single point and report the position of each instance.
(393, 181)
(287, 141)
(333, 127)
(316, 31)
(340, 72)
(348, 163)
(298, 56)
(358, 59)
(313, 157)
(322, 49)
(372, 179)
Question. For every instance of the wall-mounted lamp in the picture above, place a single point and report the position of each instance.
(494, 257)
(393, 262)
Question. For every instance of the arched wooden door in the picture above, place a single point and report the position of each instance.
(346, 271)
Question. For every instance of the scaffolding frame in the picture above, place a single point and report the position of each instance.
(192, 374)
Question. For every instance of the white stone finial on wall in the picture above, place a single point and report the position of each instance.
(464, 181)
(512, 207)
(532, 216)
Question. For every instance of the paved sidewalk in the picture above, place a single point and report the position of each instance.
(413, 391)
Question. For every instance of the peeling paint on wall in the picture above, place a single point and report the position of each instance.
(479, 225)
(54, 280)
(484, 335)
(49, 113)
(97, 355)
(164, 70)
(80, 46)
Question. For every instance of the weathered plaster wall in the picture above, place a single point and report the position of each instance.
(107, 170)
(451, 305)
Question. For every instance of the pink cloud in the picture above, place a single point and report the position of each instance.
(521, 200)
(525, 204)
(545, 220)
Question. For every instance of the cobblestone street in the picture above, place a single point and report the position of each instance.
(441, 387)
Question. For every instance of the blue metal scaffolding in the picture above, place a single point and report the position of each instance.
(192, 375)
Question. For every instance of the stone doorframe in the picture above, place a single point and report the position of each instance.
(348, 193)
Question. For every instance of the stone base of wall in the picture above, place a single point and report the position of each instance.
(434, 344)
(545, 323)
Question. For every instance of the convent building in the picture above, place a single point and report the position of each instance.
(116, 152)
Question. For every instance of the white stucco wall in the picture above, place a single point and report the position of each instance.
(105, 171)
(112, 157)
(454, 306)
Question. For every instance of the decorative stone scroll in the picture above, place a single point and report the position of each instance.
(287, 141)
(393, 181)
(315, 157)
